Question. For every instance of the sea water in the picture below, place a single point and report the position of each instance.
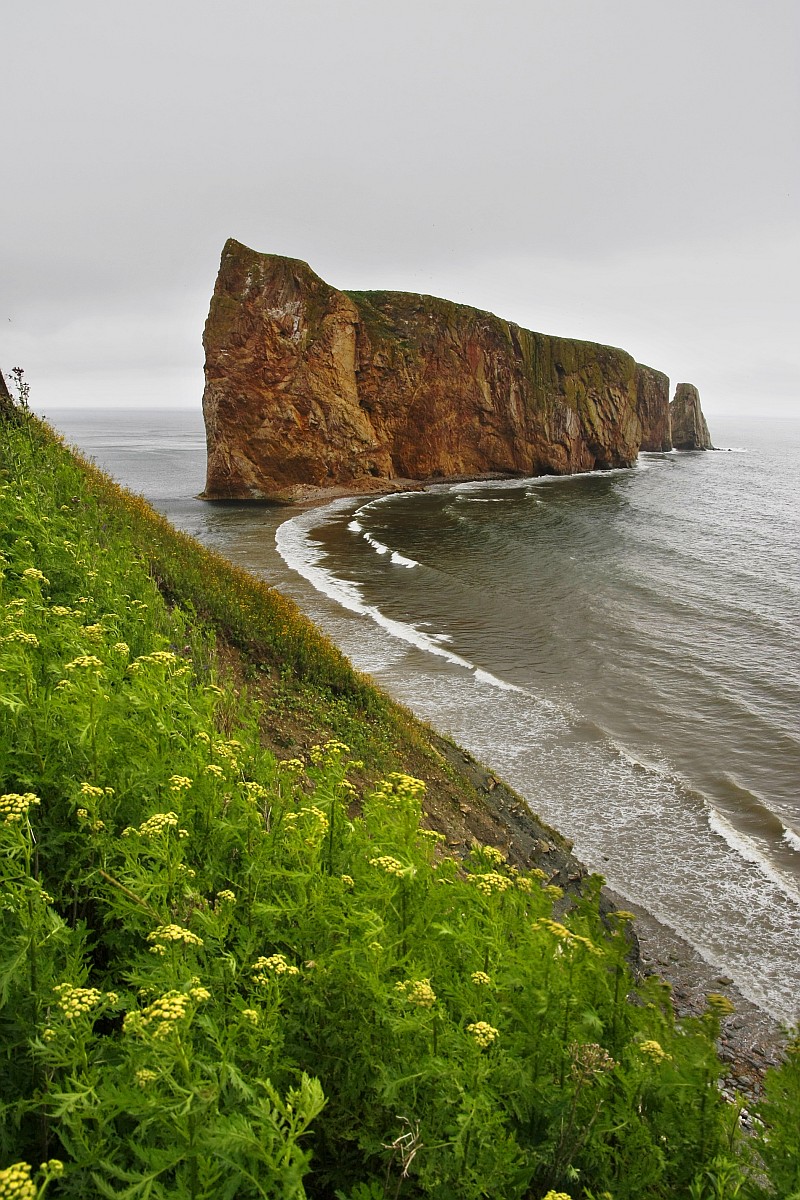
(622, 647)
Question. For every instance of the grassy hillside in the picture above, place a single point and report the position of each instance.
(246, 951)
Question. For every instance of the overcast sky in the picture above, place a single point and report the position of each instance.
(624, 171)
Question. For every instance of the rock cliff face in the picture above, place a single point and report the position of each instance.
(652, 407)
(309, 388)
(689, 428)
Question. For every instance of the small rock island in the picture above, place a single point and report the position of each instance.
(312, 391)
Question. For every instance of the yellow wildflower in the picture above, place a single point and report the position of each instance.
(174, 933)
(160, 1018)
(16, 1182)
(14, 806)
(390, 865)
(75, 1001)
(250, 1015)
(653, 1050)
(144, 1076)
(275, 964)
(721, 1006)
(483, 1033)
(22, 637)
(83, 661)
(88, 789)
(490, 882)
(179, 783)
(417, 991)
(33, 573)
(481, 978)
(158, 824)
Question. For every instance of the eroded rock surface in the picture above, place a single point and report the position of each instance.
(309, 388)
(689, 428)
(652, 406)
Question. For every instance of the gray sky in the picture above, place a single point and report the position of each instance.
(619, 170)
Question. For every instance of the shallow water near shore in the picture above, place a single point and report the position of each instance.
(624, 648)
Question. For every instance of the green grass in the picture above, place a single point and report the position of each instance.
(231, 972)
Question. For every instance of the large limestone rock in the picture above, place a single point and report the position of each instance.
(309, 389)
(652, 407)
(689, 429)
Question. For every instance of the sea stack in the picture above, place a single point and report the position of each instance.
(689, 428)
(310, 389)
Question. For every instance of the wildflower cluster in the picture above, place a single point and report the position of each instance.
(481, 978)
(75, 1001)
(653, 1050)
(16, 1183)
(179, 783)
(161, 658)
(157, 826)
(567, 936)
(328, 753)
(385, 862)
(20, 636)
(84, 662)
(15, 806)
(159, 1019)
(397, 783)
(166, 934)
(719, 1005)
(483, 1033)
(145, 1076)
(275, 964)
(417, 991)
(489, 882)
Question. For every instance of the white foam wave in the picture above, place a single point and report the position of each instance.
(791, 838)
(747, 849)
(493, 681)
(355, 527)
(377, 546)
(400, 561)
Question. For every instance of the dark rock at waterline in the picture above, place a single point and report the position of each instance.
(689, 428)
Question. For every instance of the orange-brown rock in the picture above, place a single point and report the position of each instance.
(309, 388)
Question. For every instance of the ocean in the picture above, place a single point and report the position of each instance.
(623, 648)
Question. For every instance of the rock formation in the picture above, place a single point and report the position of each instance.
(689, 428)
(652, 407)
(310, 389)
